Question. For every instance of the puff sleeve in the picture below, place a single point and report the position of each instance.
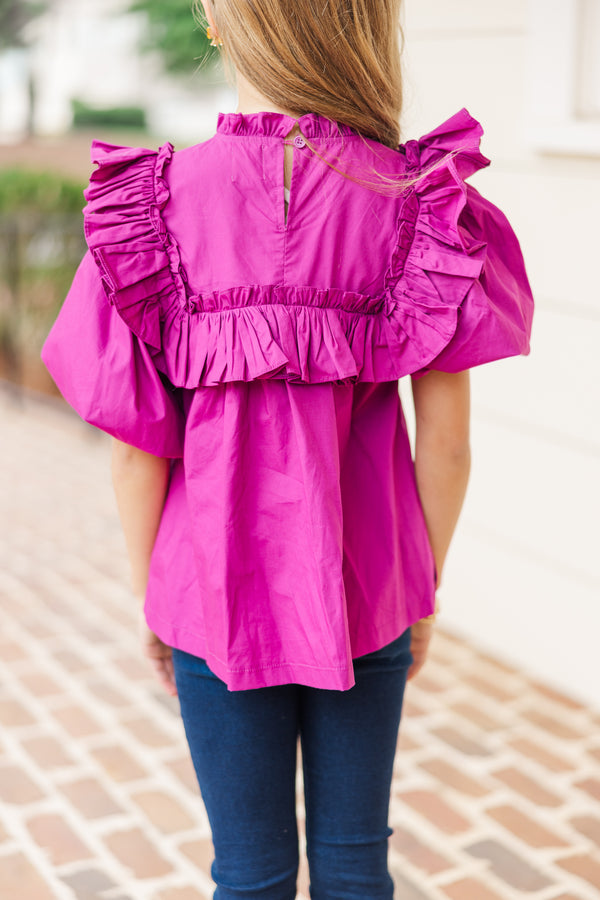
(106, 373)
(495, 318)
(459, 269)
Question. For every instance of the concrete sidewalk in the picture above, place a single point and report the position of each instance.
(496, 793)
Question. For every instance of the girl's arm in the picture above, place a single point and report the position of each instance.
(140, 482)
(442, 453)
(442, 466)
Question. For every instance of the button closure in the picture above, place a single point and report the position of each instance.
(299, 141)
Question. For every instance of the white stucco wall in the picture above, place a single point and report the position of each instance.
(522, 577)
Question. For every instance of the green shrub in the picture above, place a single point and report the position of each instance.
(40, 193)
(41, 244)
(85, 116)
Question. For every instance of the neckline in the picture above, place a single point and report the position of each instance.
(274, 124)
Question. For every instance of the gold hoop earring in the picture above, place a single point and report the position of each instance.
(215, 40)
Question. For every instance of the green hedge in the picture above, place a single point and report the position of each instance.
(85, 116)
(41, 244)
(41, 193)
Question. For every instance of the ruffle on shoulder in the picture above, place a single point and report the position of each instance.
(437, 280)
(461, 266)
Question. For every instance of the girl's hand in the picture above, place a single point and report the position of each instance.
(420, 636)
(159, 654)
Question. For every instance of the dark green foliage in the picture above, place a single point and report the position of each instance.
(85, 116)
(173, 31)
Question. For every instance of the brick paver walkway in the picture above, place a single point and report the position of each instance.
(497, 787)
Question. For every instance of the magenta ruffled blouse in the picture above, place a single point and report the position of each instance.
(261, 354)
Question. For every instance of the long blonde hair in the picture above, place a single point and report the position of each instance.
(340, 59)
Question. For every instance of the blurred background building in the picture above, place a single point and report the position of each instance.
(106, 54)
(521, 579)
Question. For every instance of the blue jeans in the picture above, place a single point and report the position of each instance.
(243, 746)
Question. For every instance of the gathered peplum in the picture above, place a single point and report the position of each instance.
(454, 294)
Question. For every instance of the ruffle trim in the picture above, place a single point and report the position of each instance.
(272, 124)
(435, 262)
(273, 331)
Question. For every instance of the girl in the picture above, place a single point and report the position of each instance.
(239, 325)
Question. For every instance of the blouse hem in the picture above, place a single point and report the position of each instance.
(339, 678)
